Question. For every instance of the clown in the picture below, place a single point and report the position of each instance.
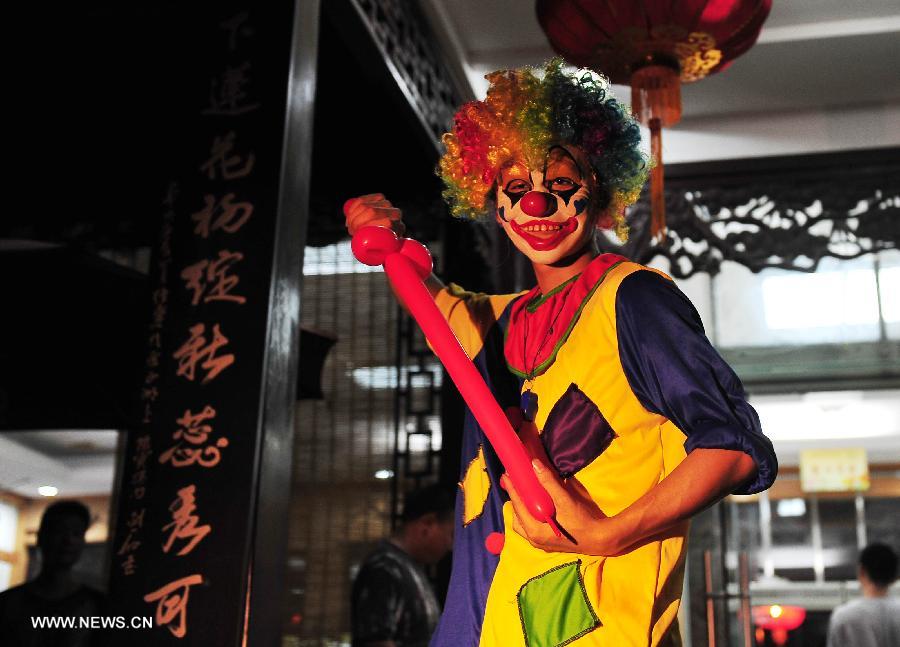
(633, 420)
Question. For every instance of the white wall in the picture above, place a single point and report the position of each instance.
(787, 133)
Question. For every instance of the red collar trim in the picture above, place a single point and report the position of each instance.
(539, 325)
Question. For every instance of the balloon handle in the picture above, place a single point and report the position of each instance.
(552, 523)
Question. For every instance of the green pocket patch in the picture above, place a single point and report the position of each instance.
(554, 607)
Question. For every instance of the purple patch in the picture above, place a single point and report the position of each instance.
(500, 211)
(575, 433)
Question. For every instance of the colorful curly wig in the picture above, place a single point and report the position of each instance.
(521, 117)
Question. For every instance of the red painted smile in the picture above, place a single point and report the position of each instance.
(544, 235)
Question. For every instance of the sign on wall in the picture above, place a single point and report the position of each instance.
(834, 470)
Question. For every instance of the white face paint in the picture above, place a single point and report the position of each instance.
(545, 211)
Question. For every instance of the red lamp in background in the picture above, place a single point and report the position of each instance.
(654, 45)
(779, 620)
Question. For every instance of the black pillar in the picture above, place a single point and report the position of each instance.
(201, 530)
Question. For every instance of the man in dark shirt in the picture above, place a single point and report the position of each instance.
(53, 593)
(393, 602)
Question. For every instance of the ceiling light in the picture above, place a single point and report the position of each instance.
(48, 490)
(383, 475)
(791, 508)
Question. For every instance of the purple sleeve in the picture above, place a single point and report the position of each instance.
(675, 371)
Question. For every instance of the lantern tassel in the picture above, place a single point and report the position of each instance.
(657, 192)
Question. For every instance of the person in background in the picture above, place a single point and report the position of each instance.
(393, 602)
(54, 592)
(874, 619)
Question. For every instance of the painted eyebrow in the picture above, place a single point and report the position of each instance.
(519, 179)
(566, 153)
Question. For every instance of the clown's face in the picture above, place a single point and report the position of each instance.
(545, 211)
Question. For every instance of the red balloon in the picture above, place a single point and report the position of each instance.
(418, 255)
(494, 542)
(370, 245)
(404, 264)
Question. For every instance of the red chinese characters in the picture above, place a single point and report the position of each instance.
(172, 600)
(185, 525)
(208, 293)
(193, 446)
(211, 280)
(223, 164)
(198, 351)
(223, 213)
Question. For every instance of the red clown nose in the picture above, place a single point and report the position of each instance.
(538, 204)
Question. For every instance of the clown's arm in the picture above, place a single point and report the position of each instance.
(702, 479)
(375, 209)
(674, 371)
(470, 315)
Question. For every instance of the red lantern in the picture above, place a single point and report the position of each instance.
(654, 45)
(779, 620)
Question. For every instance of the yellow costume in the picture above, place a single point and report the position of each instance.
(606, 419)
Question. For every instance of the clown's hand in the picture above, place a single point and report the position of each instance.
(585, 528)
(372, 209)
(528, 434)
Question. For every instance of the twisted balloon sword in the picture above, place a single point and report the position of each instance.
(407, 263)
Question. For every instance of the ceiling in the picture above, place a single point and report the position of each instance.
(77, 462)
(811, 54)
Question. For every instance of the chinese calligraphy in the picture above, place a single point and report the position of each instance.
(227, 93)
(212, 278)
(212, 281)
(172, 602)
(196, 434)
(222, 214)
(184, 522)
(221, 163)
(196, 349)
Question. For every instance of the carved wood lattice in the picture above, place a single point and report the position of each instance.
(405, 41)
(776, 212)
